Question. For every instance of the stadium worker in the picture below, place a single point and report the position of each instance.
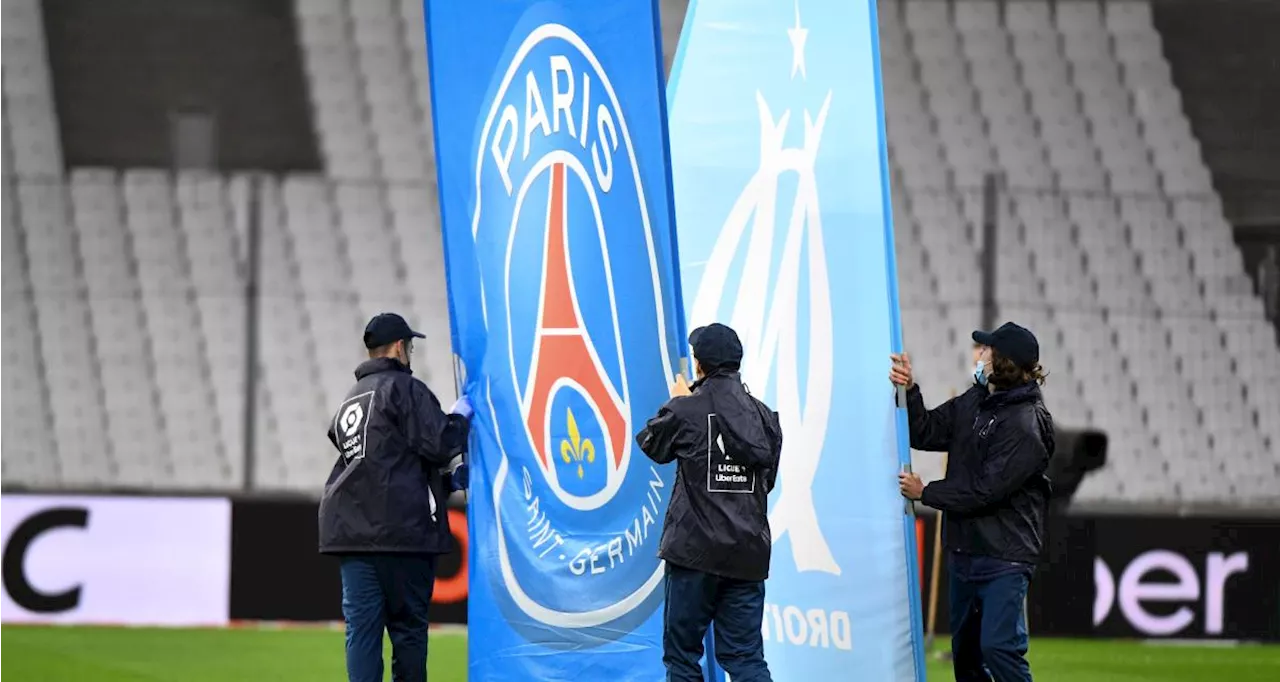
(994, 496)
(383, 511)
(715, 540)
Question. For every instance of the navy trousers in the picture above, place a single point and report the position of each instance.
(391, 592)
(693, 601)
(988, 628)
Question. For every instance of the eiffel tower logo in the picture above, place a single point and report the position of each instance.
(563, 352)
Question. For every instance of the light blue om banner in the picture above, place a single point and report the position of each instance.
(781, 187)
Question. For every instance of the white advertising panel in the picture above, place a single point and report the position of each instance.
(115, 560)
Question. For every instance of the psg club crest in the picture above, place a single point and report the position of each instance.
(579, 342)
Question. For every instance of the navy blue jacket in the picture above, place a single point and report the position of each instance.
(996, 492)
(386, 492)
(727, 444)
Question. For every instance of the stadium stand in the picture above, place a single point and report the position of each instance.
(124, 290)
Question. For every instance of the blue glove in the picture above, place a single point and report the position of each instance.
(463, 408)
(459, 474)
(460, 478)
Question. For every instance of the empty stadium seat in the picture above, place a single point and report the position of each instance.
(29, 446)
(67, 354)
(366, 61)
(205, 215)
(186, 406)
(29, 114)
(117, 322)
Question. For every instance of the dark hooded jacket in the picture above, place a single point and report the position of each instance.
(996, 491)
(386, 492)
(727, 445)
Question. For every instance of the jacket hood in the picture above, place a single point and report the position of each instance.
(379, 365)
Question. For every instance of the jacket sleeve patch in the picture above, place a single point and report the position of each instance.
(351, 425)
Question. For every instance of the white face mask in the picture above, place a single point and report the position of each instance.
(979, 373)
(406, 355)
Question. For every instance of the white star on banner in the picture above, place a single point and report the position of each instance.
(798, 35)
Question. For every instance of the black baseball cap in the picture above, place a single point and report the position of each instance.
(387, 328)
(1012, 341)
(716, 346)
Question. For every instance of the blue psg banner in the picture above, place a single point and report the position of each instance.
(779, 168)
(554, 192)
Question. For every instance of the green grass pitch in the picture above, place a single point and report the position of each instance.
(75, 654)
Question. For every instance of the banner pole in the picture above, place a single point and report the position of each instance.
(935, 571)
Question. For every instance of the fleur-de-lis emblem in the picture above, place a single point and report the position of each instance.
(577, 448)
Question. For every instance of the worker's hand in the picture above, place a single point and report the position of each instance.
(463, 408)
(910, 485)
(900, 372)
(460, 478)
(459, 474)
(680, 387)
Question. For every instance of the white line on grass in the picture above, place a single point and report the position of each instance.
(1206, 643)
